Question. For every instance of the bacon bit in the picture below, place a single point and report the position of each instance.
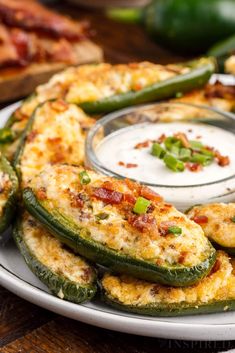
(164, 227)
(129, 198)
(198, 137)
(144, 223)
(200, 219)
(138, 87)
(150, 194)
(183, 138)
(216, 267)
(19, 115)
(134, 187)
(41, 193)
(127, 165)
(218, 90)
(108, 196)
(54, 140)
(31, 136)
(131, 165)
(143, 144)
(76, 200)
(222, 161)
(59, 105)
(161, 138)
(182, 257)
(193, 167)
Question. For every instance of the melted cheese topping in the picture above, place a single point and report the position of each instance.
(130, 291)
(230, 65)
(220, 227)
(60, 186)
(57, 136)
(91, 82)
(52, 254)
(5, 188)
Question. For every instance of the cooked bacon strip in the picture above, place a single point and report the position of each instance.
(108, 196)
(31, 15)
(8, 52)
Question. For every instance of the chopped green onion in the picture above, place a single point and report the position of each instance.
(158, 151)
(6, 135)
(101, 216)
(175, 150)
(175, 230)
(173, 163)
(84, 178)
(141, 205)
(196, 145)
(184, 154)
(201, 159)
(233, 219)
(172, 141)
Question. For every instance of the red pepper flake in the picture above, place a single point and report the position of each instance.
(200, 219)
(108, 196)
(143, 144)
(150, 194)
(193, 167)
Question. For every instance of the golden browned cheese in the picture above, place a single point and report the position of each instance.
(215, 95)
(218, 285)
(219, 224)
(92, 82)
(5, 188)
(53, 254)
(141, 236)
(57, 136)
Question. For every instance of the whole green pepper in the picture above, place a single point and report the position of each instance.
(186, 26)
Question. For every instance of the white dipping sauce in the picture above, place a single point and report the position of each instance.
(120, 147)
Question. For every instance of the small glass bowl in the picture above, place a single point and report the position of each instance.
(184, 194)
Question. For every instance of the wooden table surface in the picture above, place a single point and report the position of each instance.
(27, 328)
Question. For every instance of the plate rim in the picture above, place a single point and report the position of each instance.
(112, 321)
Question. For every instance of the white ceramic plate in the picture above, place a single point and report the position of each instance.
(16, 277)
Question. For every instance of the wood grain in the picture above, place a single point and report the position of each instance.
(26, 328)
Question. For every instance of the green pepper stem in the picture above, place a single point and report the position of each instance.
(126, 15)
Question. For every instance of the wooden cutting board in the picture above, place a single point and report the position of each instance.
(19, 82)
